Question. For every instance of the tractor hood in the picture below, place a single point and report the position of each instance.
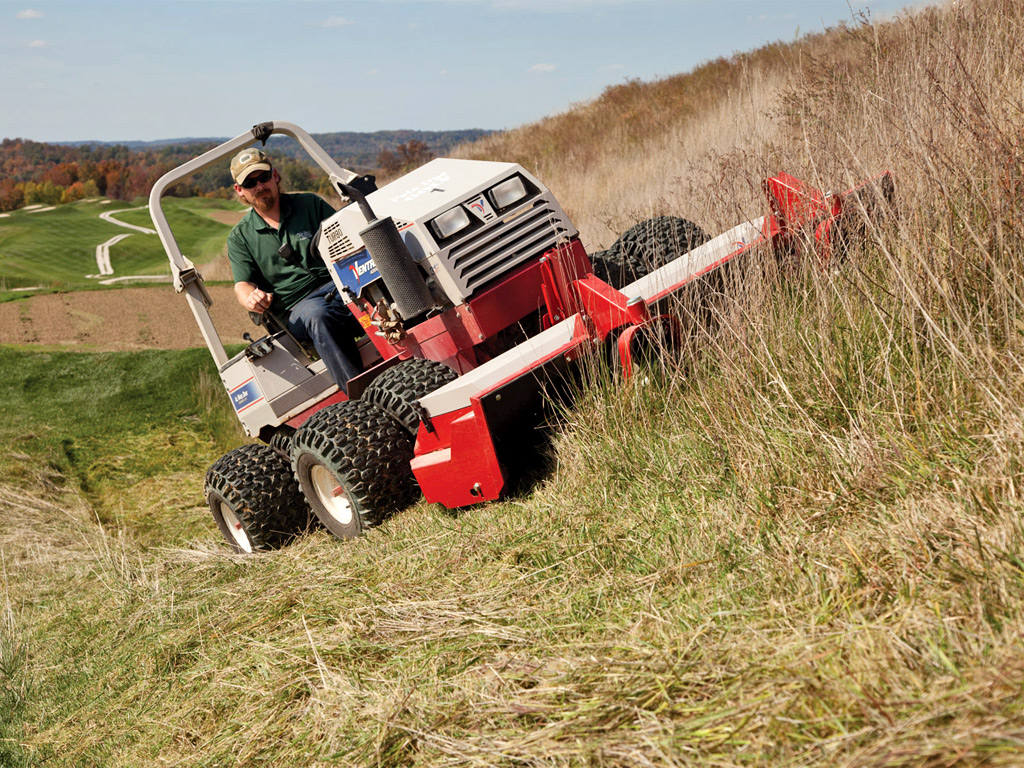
(436, 187)
(412, 200)
(492, 242)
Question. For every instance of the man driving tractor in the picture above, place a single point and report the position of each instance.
(276, 274)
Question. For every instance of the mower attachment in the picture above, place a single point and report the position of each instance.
(471, 424)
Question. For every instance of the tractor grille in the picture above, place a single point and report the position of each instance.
(505, 244)
(338, 243)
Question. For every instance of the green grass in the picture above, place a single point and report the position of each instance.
(58, 247)
(106, 421)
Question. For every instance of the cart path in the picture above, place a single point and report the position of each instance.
(109, 216)
(103, 249)
(103, 255)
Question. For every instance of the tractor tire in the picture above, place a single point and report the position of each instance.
(651, 244)
(607, 266)
(281, 441)
(352, 463)
(254, 499)
(397, 389)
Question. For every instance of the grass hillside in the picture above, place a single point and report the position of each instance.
(804, 546)
(56, 247)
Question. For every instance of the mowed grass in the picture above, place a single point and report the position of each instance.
(57, 248)
(96, 417)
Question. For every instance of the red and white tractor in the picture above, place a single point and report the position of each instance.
(475, 292)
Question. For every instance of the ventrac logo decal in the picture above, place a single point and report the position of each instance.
(358, 270)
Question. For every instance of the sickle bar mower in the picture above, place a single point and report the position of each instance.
(457, 458)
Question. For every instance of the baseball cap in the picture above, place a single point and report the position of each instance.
(247, 161)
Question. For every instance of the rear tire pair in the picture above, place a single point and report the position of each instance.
(644, 247)
(349, 466)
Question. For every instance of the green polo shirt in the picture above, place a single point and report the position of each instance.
(253, 246)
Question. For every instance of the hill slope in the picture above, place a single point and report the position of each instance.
(801, 547)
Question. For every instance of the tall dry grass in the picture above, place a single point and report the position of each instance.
(646, 149)
(851, 439)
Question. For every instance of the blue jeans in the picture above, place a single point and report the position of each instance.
(331, 328)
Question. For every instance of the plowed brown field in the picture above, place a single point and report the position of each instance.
(151, 317)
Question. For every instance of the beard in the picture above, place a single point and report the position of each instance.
(263, 201)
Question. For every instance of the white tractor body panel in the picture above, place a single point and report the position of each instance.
(496, 241)
(272, 388)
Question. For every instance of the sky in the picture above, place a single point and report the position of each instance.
(109, 70)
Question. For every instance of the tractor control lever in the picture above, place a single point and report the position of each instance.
(354, 193)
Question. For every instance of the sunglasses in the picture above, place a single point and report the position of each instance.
(257, 178)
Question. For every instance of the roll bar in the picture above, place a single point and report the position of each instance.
(186, 278)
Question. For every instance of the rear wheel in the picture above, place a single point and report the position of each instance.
(351, 461)
(608, 267)
(646, 246)
(397, 389)
(254, 499)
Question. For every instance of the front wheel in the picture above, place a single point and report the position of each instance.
(351, 461)
(254, 499)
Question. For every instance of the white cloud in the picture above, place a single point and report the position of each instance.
(772, 17)
(336, 21)
(611, 68)
(542, 67)
(29, 14)
(38, 44)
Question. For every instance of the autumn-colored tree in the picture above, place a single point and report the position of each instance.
(80, 190)
(45, 193)
(62, 174)
(407, 156)
(12, 196)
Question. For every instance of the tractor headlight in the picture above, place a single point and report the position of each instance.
(508, 192)
(450, 222)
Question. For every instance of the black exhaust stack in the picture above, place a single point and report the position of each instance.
(394, 262)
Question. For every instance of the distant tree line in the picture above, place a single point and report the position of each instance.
(361, 151)
(33, 172)
(405, 157)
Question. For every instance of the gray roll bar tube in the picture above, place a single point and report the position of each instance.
(186, 278)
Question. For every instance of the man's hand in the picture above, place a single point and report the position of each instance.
(258, 301)
(252, 298)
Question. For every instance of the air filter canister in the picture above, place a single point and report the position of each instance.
(395, 264)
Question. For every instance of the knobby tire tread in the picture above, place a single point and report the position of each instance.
(368, 450)
(258, 484)
(398, 388)
(644, 247)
